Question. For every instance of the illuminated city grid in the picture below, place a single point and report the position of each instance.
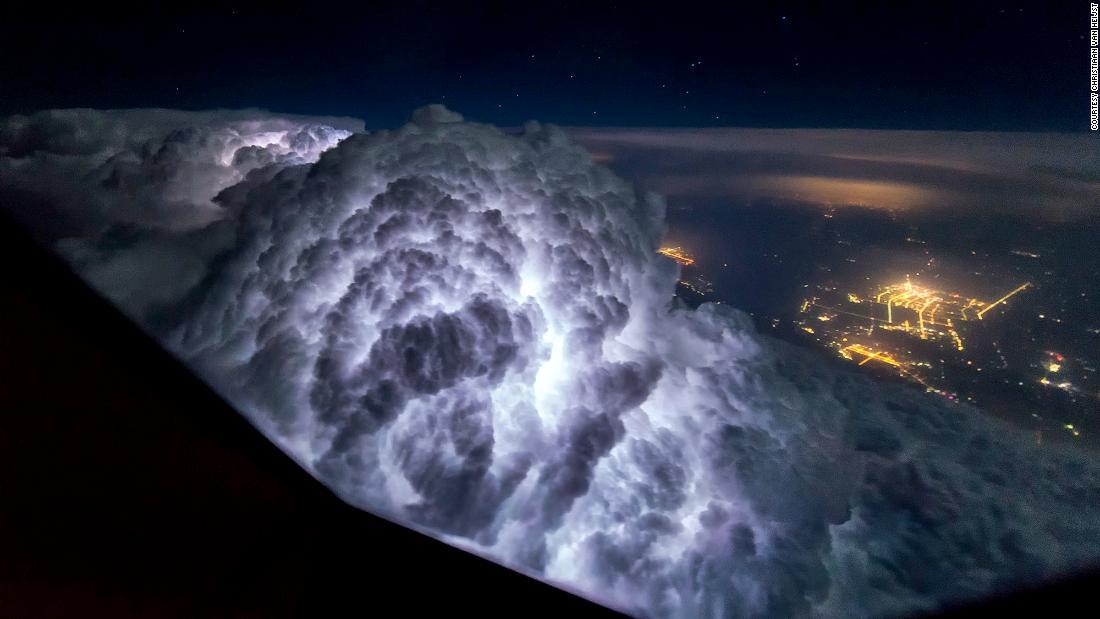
(677, 253)
(903, 308)
(918, 311)
(905, 328)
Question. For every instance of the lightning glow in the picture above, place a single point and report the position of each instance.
(473, 333)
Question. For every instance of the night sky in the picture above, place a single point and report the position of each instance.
(980, 66)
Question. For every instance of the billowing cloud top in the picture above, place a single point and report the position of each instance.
(129, 193)
(470, 332)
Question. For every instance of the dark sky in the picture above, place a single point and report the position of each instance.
(951, 65)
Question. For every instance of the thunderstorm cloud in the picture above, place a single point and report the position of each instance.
(469, 331)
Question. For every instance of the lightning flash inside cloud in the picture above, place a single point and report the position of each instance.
(471, 332)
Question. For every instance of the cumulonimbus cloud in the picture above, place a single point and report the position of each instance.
(470, 332)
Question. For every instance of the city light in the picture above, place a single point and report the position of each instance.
(677, 253)
(915, 331)
(1003, 299)
(914, 312)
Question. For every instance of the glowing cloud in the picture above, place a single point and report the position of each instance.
(472, 333)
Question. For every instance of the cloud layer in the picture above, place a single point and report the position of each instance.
(1046, 175)
(471, 333)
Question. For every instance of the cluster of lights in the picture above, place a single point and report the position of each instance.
(869, 354)
(699, 285)
(677, 253)
(934, 314)
(1054, 366)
